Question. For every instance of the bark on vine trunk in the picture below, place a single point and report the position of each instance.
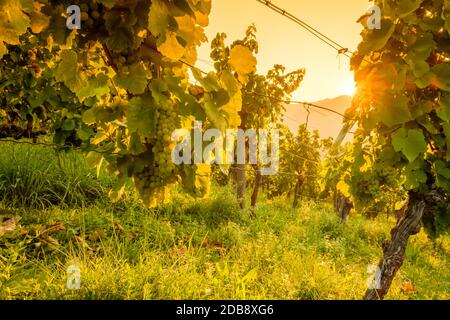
(394, 249)
(240, 185)
(343, 206)
(298, 187)
(256, 187)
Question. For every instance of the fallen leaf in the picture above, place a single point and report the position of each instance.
(8, 225)
(54, 228)
(408, 288)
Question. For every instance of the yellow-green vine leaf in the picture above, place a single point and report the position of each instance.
(171, 48)
(140, 114)
(134, 80)
(242, 61)
(68, 71)
(410, 142)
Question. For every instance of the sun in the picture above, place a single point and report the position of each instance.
(349, 88)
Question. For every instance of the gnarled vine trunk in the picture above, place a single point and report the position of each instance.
(298, 189)
(343, 206)
(256, 187)
(394, 249)
(240, 184)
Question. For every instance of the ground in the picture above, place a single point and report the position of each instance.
(188, 249)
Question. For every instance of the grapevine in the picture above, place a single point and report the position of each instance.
(119, 84)
(402, 110)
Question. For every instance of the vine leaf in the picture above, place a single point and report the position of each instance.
(135, 80)
(410, 142)
(377, 38)
(415, 178)
(39, 21)
(68, 71)
(97, 86)
(441, 78)
(242, 61)
(13, 23)
(196, 179)
(444, 111)
(446, 15)
(171, 48)
(140, 114)
(232, 109)
(121, 38)
(394, 111)
(159, 17)
(404, 7)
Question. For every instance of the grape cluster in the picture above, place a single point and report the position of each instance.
(90, 14)
(166, 123)
(163, 172)
(124, 59)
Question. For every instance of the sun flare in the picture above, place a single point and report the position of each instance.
(349, 88)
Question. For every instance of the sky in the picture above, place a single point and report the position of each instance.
(284, 42)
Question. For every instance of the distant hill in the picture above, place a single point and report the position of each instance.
(327, 123)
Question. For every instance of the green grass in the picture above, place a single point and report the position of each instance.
(204, 249)
(39, 177)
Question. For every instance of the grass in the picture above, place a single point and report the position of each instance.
(200, 249)
(39, 177)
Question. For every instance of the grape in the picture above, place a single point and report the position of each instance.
(84, 16)
(95, 14)
(94, 6)
(90, 23)
(84, 8)
(154, 178)
(121, 60)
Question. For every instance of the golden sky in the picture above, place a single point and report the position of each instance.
(284, 42)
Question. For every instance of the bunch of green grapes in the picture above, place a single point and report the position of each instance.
(387, 175)
(90, 14)
(167, 123)
(124, 59)
(162, 172)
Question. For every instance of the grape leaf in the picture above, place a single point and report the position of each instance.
(415, 178)
(393, 110)
(135, 80)
(404, 7)
(232, 109)
(39, 21)
(135, 144)
(441, 76)
(209, 82)
(442, 169)
(376, 39)
(140, 113)
(410, 142)
(444, 111)
(171, 48)
(159, 17)
(96, 86)
(196, 179)
(121, 38)
(242, 61)
(13, 23)
(68, 71)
